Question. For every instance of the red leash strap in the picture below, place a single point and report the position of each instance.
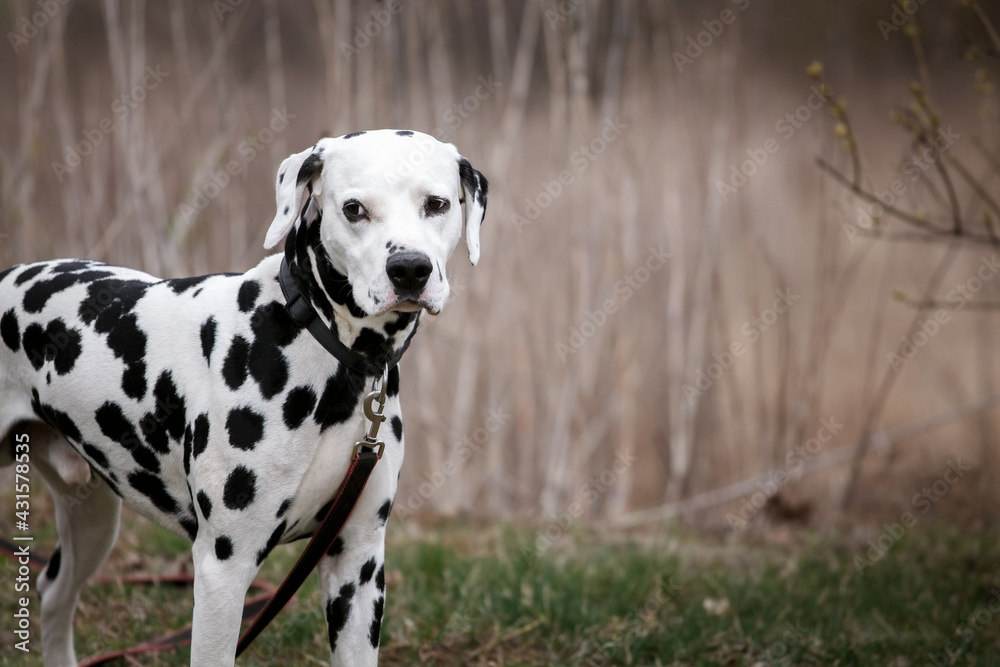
(343, 504)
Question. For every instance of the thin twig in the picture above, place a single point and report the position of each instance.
(987, 154)
(888, 382)
(891, 210)
(924, 237)
(945, 305)
(975, 185)
(990, 30)
(956, 211)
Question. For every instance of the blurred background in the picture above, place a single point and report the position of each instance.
(688, 305)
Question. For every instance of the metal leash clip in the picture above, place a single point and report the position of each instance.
(375, 416)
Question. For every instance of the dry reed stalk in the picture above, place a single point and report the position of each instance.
(275, 72)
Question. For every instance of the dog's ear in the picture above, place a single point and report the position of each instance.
(295, 183)
(475, 191)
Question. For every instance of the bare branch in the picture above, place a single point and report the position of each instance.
(936, 304)
(891, 210)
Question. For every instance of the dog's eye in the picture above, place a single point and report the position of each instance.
(436, 205)
(354, 211)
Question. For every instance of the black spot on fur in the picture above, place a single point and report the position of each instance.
(337, 612)
(285, 504)
(401, 322)
(208, 338)
(106, 295)
(380, 578)
(154, 433)
(234, 368)
(373, 345)
(68, 342)
(281, 178)
(404, 133)
(383, 512)
(34, 345)
(169, 418)
(392, 384)
(299, 404)
(190, 525)
(6, 272)
(36, 296)
(271, 542)
(246, 428)
(205, 503)
(108, 306)
(339, 400)
(334, 282)
(336, 547)
(223, 548)
(128, 342)
(474, 183)
(57, 419)
(152, 487)
(397, 426)
(134, 381)
(367, 571)
(55, 343)
(70, 267)
(247, 296)
(115, 426)
(28, 274)
(290, 246)
(10, 330)
(310, 167)
(181, 285)
(52, 570)
(308, 239)
(96, 455)
(188, 438)
(200, 440)
(171, 405)
(267, 364)
(321, 514)
(240, 489)
(376, 630)
(351, 135)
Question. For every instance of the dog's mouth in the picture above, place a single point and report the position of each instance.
(413, 306)
(408, 306)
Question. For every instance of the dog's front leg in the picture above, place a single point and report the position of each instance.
(220, 587)
(352, 579)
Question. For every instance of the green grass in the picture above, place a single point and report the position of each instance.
(461, 595)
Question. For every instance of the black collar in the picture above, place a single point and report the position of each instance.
(303, 314)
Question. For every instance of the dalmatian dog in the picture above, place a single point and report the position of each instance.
(209, 410)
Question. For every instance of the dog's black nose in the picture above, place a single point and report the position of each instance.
(409, 272)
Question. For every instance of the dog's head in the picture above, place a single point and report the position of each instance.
(385, 209)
